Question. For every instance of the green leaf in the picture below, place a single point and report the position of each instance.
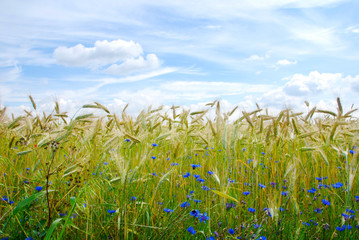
(52, 228)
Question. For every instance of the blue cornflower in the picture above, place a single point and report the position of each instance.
(312, 190)
(351, 151)
(262, 238)
(231, 231)
(284, 193)
(357, 198)
(187, 175)
(154, 144)
(210, 172)
(200, 180)
(196, 176)
(167, 210)
(63, 214)
(246, 193)
(318, 210)
(197, 200)
(230, 205)
(230, 181)
(325, 202)
(111, 211)
(194, 166)
(26, 181)
(191, 230)
(251, 210)
(195, 213)
(154, 174)
(185, 204)
(205, 188)
(153, 157)
(203, 218)
(127, 140)
(305, 223)
(262, 185)
(105, 163)
(5, 198)
(337, 185)
(257, 225)
(38, 188)
(133, 198)
(211, 238)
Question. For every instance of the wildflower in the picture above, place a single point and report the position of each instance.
(312, 190)
(285, 193)
(105, 163)
(230, 181)
(63, 214)
(5, 198)
(203, 218)
(251, 210)
(262, 238)
(185, 204)
(187, 175)
(26, 181)
(133, 198)
(154, 174)
(38, 188)
(262, 185)
(210, 172)
(306, 224)
(357, 198)
(230, 205)
(318, 210)
(196, 201)
(194, 166)
(257, 226)
(205, 188)
(191, 230)
(195, 213)
(167, 210)
(246, 193)
(200, 180)
(351, 151)
(154, 144)
(153, 157)
(127, 140)
(337, 185)
(325, 202)
(211, 238)
(111, 211)
(231, 231)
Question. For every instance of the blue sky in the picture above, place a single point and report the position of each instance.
(274, 53)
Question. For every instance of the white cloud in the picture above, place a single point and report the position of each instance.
(314, 83)
(285, 62)
(131, 65)
(103, 53)
(255, 58)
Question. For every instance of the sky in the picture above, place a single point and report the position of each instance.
(277, 53)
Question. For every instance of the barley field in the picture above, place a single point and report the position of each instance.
(179, 174)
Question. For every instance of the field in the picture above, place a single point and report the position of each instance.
(179, 174)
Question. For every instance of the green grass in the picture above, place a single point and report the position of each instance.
(94, 163)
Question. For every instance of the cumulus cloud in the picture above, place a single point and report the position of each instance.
(124, 57)
(285, 62)
(131, 65)
(314, 83)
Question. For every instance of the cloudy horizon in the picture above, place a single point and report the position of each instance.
(274, 53)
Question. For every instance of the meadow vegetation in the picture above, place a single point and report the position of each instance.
(179, 174)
